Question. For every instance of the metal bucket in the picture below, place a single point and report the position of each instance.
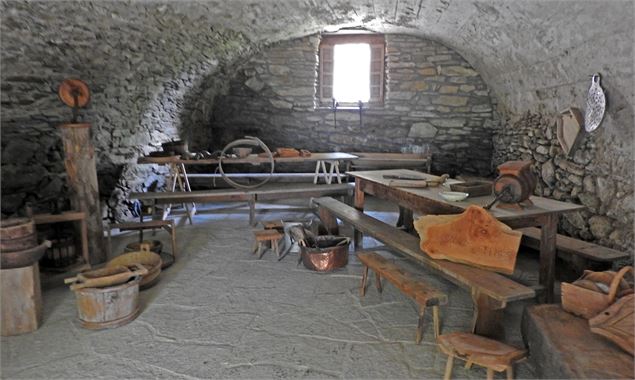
(331, 253)
(114, 306)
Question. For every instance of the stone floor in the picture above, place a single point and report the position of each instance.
(221, 313)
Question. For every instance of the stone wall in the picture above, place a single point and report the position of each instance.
(153, 72)
(432, 96)
(598, 175)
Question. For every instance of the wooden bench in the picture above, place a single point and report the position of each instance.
(372, 161)
(422, 293)
(490, 291)
(578, 251)
(267, 192)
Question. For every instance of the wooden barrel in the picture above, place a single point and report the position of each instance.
(17, 234)
(113, 306)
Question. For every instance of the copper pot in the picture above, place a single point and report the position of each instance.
(331, 253)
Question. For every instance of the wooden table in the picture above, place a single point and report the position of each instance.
(321, 160)
(69, 216)
(178, 175)
(544, 213)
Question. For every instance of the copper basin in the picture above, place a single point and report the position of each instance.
(332, 253)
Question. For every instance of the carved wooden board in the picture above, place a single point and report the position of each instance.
(473, 237)
(617, 323)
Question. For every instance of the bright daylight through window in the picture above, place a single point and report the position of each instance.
(351, 73)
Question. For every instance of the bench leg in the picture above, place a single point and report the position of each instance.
(261, 250)
(422, 311)
(488, 316)
(378, 282)
(436, 321)
(362, 288)
(255, 248)
(406, 219)
(329, 221)
(490, 374)
(510, 372)
(252, 210)
(359, 205)
(275, 248)
(448, 368)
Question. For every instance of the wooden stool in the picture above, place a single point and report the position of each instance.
(475, 349)
(273, 225)
(423, 294)
(271, 236)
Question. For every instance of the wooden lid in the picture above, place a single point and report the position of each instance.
(71, 88)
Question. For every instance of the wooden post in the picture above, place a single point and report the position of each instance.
(79, 160)
(548, 233)
(21, 300)
(359, 205)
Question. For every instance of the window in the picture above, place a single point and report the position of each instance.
(351, 69)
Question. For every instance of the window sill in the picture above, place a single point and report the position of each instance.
(364, 108)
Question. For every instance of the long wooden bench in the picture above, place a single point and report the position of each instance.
(580, 252)
(421, 292)
(490, 291)
(267, 192)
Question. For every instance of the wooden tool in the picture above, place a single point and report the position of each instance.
(109, 276)
(473, 237)
(414, 182)
(515, 184)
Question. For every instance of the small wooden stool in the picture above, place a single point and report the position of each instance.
(423, 293)
(273, 225)
(271, 236)
(475, 349)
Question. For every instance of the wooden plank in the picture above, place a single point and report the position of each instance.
(474, 237)
(67, 216)
(489, 283)
(142, 225)
(572, 246)
(21, 297)
(255, 159)
(79, 161)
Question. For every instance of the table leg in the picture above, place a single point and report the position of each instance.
(359, 205)
(323, 165)
(406, 219)
(337, 171)
(329, 177)
(316, 176)
(488, 316)
(188, 188)
(548, 234)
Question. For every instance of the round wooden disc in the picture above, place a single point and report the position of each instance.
(71, 86)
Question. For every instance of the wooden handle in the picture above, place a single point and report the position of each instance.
(615, 283)
(144, 247)
(70, 280)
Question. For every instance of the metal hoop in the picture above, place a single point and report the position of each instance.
(248, 140)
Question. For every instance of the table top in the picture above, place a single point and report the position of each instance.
(251, 159)
(541, 205)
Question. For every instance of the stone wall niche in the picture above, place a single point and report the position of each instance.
(433, 96)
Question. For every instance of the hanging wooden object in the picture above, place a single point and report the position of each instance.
(473, 237)
(79, 161)
(569, 129)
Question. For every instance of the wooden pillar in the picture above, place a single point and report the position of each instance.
(21, 300)
(79, 160)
